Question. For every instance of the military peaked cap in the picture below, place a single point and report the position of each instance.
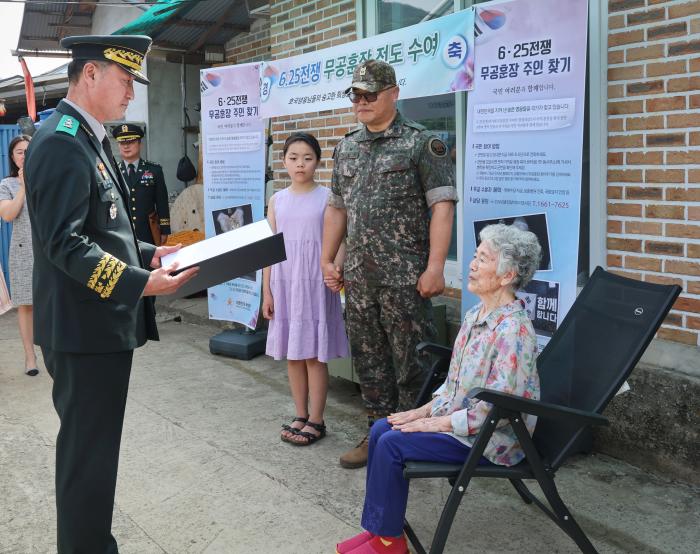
(127, 131)
(127, 51)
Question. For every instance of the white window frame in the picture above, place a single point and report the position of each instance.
(598, 131)
(367, 21)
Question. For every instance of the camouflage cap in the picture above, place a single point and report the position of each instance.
(372, 76)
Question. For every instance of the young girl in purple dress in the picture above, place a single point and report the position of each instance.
(306, 319)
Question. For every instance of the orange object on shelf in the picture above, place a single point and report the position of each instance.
(184, 237)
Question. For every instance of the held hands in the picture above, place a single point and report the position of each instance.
(431, 283)
(332, 276)
(268, 306)
(161, 281)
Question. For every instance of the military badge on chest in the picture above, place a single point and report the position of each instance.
(147, 178)
(103, 171)
(106, 191)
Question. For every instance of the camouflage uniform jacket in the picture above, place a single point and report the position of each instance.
(387, 182)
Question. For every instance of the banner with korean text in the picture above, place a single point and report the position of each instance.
(525, 141)
(430, 58)
(233, 145)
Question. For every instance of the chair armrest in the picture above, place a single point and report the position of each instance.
(536, 407)
(434, 348)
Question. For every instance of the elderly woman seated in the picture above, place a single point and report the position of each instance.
(496, 349)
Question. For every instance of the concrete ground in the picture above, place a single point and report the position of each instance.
(203, 470)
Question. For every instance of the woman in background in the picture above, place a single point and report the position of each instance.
(13, 207)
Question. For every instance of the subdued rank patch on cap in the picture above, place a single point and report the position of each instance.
(372, 76)
(437, 147)
(68, 125)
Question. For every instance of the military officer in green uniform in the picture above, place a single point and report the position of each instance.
(93, 293)
(148, 193)
(393, 195)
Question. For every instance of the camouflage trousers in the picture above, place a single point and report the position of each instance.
(384, 325)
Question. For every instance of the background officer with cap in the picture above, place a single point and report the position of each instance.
(92, 292)
(393, 194)
(148, 193)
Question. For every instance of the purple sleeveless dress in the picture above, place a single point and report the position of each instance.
(308, 318)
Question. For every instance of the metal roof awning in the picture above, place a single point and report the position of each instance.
(49, 87)
(156, 16)
(189, 25)
(45, 24)
(47, 83)
(184, 26)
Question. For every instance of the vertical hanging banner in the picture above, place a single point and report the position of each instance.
(234, 175)
(524, 141)
(429, 58)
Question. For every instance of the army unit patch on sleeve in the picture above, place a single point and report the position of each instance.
(68, 125)
(437, 147)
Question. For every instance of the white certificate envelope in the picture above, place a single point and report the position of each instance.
(227, 256)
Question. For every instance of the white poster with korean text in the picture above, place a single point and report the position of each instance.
(524, 141)
(430, 58)
(233, 145)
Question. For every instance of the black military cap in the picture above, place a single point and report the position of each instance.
(127, 51)
(127, 131)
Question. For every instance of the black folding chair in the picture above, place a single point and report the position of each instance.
(584, 364)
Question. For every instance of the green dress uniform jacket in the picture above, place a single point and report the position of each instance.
(147, 194)
(89, 268)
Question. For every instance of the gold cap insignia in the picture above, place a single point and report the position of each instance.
(363, 70)
(128, 58)
(125, 128)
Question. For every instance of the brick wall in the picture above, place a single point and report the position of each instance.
(250, 47)
(297, 27)
(654, 151)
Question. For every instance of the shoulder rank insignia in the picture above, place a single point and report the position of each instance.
(68, 125)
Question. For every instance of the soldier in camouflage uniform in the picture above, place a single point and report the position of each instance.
(393, 195)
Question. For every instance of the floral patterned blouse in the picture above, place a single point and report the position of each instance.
(497, 353)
